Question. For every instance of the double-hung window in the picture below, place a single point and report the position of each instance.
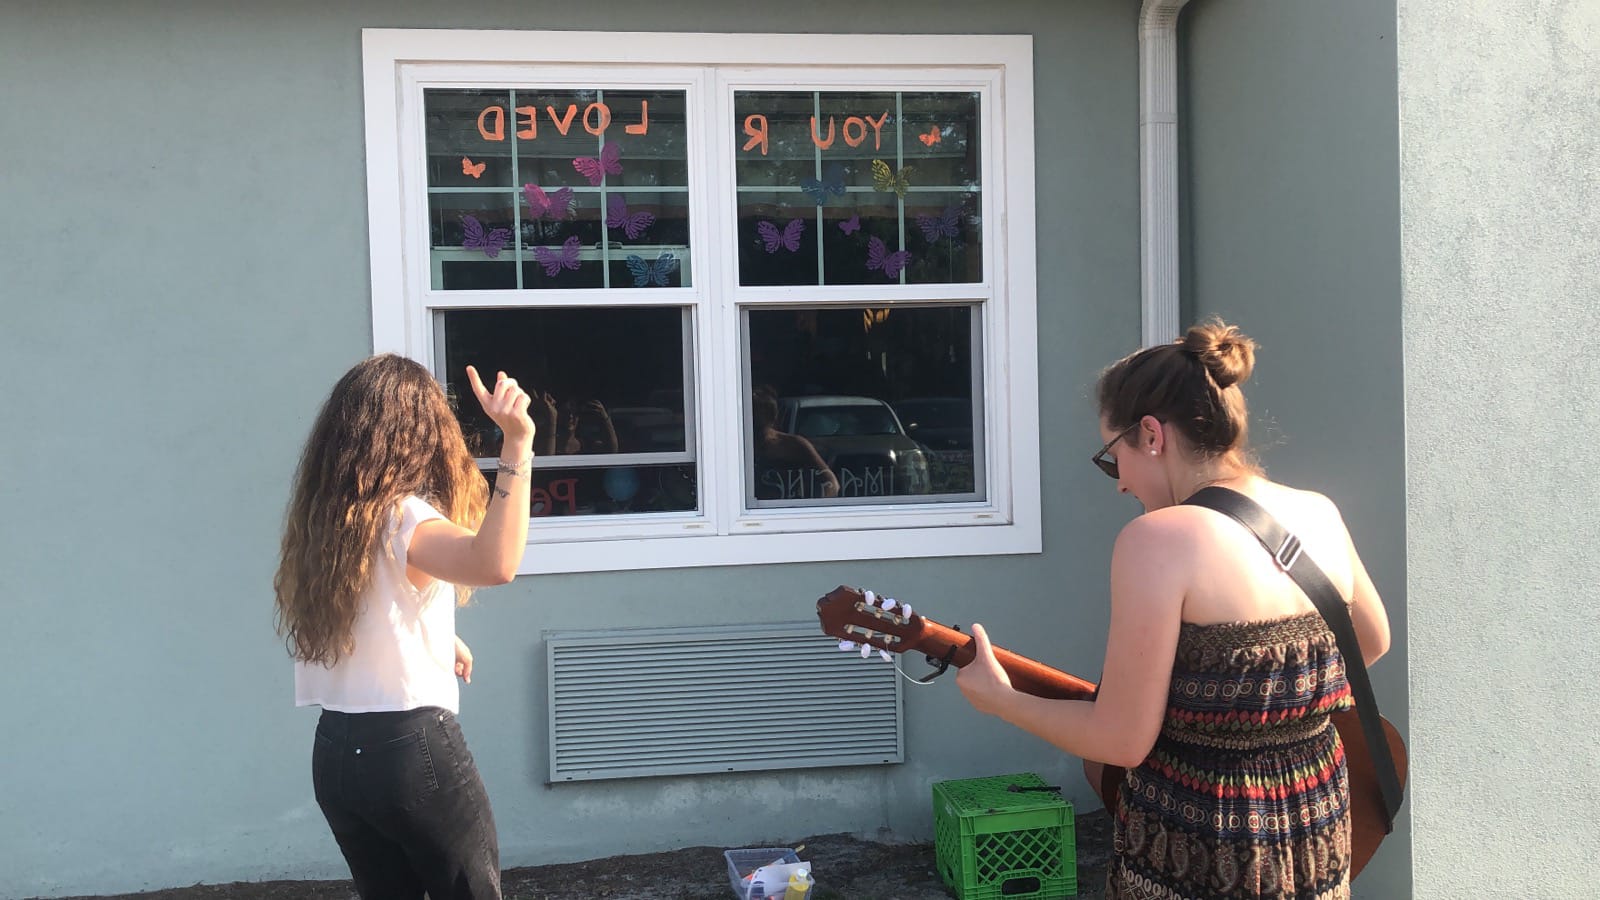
(773, 295)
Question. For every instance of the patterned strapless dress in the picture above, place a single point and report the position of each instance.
(1245, 792)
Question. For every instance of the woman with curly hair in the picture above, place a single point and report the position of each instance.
(389, 527)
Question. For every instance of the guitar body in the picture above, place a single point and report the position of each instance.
(859, 617)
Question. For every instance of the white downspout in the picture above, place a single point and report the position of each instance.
(1158, 169)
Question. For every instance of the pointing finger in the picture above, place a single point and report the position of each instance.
(476, 383)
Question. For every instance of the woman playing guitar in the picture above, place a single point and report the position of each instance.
(1220, 675)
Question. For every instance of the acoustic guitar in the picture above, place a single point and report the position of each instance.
(850, 614)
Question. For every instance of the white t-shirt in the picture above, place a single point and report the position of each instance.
(405, 638)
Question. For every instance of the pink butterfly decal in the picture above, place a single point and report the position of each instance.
(788, 238)
(947, 224)
(555, 260)
(851, 225)
(474, 237)
(555, 204)
(880, 259)
(609, 163)
(632, 224)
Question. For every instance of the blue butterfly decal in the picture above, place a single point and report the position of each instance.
(651, 272)
(830, 184)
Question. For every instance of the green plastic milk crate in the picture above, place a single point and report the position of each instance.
(993, 840)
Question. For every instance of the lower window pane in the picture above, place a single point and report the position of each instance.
(611, 401)
(855, 405)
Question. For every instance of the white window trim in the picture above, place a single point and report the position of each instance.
(396, 61)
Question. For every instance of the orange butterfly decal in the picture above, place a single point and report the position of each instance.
(468, 168)
(931, 138)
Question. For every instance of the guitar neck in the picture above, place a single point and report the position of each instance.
(1027, 675)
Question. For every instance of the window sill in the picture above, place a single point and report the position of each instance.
(690, 549)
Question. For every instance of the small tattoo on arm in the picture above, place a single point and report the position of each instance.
(501, 492)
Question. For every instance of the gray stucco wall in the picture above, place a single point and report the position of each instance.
(184, 273)
(1501, 214)
(1291, 212)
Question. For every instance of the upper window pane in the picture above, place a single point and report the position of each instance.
(858, 187)
(559, 188)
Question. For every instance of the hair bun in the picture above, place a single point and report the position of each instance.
(1226, 352)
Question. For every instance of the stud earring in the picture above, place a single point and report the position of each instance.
(1152, 453)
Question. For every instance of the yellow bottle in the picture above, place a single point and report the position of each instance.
(799, 886)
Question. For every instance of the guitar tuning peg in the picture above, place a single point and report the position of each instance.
(847, 646)
(885, 655)
(866, 650)
(888, 604)
(905, 610)
(869, 596)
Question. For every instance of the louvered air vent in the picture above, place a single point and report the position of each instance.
(636, 702)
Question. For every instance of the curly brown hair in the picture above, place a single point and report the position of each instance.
(385, 432)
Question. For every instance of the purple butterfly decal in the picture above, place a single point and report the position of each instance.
(946, 224)
(646, 272)
(609, 163)
(851, 225)
(880, 259)
(632, 224)
(555, 260)
(788, 238)
(555, 204)
(475, 238)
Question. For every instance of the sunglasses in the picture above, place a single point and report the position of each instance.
(1109, 466)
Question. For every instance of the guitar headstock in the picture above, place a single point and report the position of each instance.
(862, 619)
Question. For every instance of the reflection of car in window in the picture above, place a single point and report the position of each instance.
(861, 440)
(648, 429)
(944, 426)
(941, 423)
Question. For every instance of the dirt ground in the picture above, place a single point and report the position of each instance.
(846, 868)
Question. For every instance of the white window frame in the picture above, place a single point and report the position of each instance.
(399, 63)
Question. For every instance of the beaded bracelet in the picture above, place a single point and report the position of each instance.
(515, 470)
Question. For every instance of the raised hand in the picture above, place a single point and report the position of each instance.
(507, 405)
(543, 409)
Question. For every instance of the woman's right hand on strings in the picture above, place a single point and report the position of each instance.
(507, 405)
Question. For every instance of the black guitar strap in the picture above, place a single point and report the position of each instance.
(1286, 549)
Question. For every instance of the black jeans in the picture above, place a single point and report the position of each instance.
(404, 800)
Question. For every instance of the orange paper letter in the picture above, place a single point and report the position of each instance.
(644, 120)
(528, 128)
(755, 125)
(877, 129)
(498, 133)
(861, 131)
(605, 118)
(563, 124)
(816, 139)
